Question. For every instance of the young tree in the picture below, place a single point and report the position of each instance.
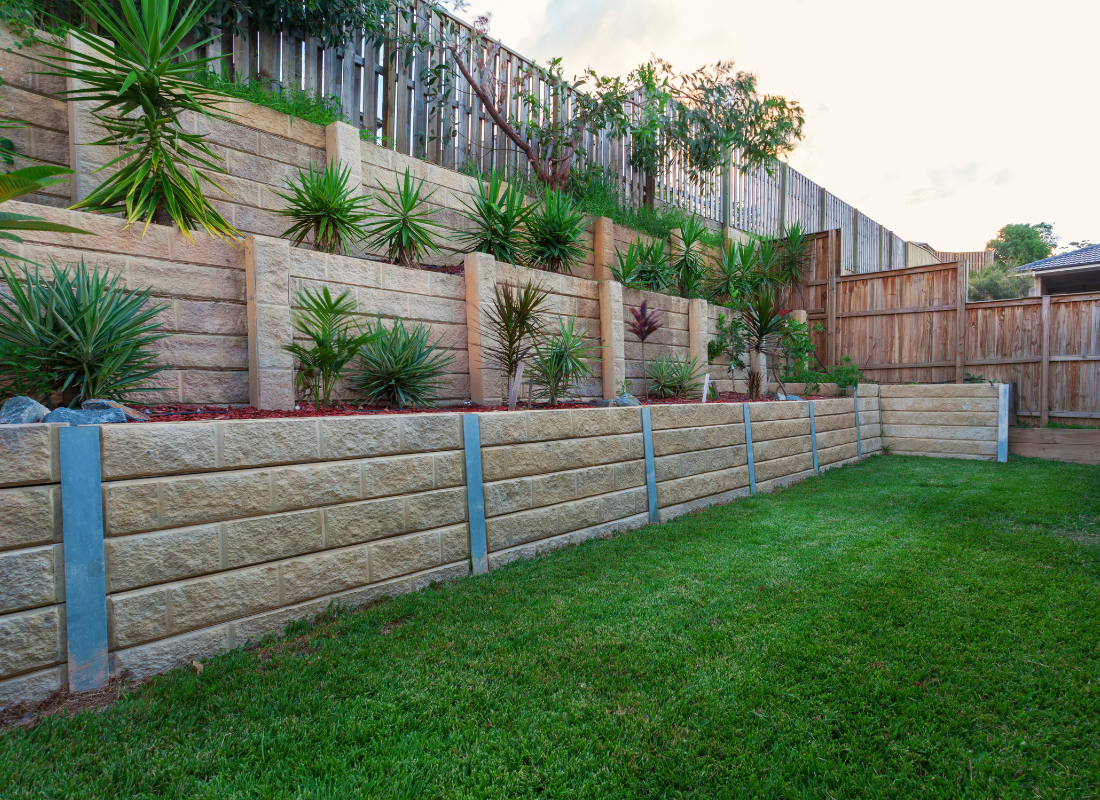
(1020, 244)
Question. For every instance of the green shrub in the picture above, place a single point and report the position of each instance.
(515, 320)
(80, 333)
(403, 228)
(690, 268)
(399, 366)
(554, 232)
(844, 374)
(672, 376)
(627, 268)
(561, 361)
(998, 281)
(498, 214)
(326, 205)
(327, 323)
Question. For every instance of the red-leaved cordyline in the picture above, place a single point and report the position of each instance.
(645, 324)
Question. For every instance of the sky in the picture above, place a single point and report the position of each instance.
(943, 120)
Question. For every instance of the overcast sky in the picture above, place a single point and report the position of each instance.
(941, 119)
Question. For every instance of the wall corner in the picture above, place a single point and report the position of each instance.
(270, 326)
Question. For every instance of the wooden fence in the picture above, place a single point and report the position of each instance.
(914, 325)
(386, 95)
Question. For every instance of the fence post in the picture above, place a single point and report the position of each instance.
(85, 574)
(389, 94)
(830, 334)
(1044, 368)
(960, 323)
(613, 335)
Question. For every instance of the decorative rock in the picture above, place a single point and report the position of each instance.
(21, 410)
(793, 397)
(621, 401)
(103, 405)
(76, 416)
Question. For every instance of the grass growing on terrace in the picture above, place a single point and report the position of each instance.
(898, 628)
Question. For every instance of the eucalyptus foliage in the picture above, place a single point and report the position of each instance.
(328, 206)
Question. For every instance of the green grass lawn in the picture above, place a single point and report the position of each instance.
(903, 627)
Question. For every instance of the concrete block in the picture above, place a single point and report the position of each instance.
(28, 454)
(30, 578)
(316, 485)
(450, 470)
(941, 390)
(161, 656)
(31, 640)
(435, 509)
(363, 522)
(252, 541)
(137, 617)
(255, 443)
(782, 467)
(513, 529)
(506, 497)
(502, 427)
(952, 432)
(779, 448)
(454, 544)
(358, 437)
(140, 451)
(549, 425)
(214, 497)
(405, 554)
(224, 596)
(31, 688)
(579, 514)
(325, 573)
(422, 432)
(694, 415)
(131, 506)
(766, 412)
(29, 516)
(781, 429)
(152, 558)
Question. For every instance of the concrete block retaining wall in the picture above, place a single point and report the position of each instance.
(947, 420)
(216, 533)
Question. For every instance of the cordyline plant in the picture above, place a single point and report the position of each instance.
(646, 322)
(515, 320)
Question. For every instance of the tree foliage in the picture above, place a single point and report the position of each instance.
(1022, 243)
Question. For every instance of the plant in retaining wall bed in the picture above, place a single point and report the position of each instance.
(403, 228)
(643, 266)
(79, 333)
(140, 78)
(689, 268)
(794, 257)
(326, 205)
(562, 359)
(672, 376)
(327, 323)
(554, 232)
(516, 320)
(646, 322)
(400, 366)
(497, 214)
(21, 182)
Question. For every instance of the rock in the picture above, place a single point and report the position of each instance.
(793, 397)
(621, 401)
(103, 405)
(78, 416)
(21, 410)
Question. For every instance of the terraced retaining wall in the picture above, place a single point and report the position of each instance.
(215, 533)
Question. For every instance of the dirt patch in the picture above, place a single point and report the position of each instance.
(62, 701)
(392, 625)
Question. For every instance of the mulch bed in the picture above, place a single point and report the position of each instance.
(62, 701)
(191, 413)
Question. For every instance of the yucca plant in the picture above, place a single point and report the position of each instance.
(403, 227)
(690, 268)
(79, 333)
(627, 268)
(141, 79)
(515, 320)
(554, 232)
(21, 182)
(794, 247)
(672, 376)
(328, 323)
(656, 268)
(327, 206)
(561, 361)
(763, 323)
(644, 324)
(497, 213)
(399, 366)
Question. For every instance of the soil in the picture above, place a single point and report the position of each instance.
(191, 413)
(62, 701)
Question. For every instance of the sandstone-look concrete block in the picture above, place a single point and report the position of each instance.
(953, 432)
(450, 470)
(612, 333)
(836, 437)
(153, 558)
(781, 467)
(836, 453)
(267, 279)
(30, 516)
(357, 437)
(513, 529)
(28, 454)
(225, 596)
(941, 446)
(399, 475)
(781, 429)
(506, 497)
(435, 509)
(317, 485)
(257, 443)
(838, 405)
(618, 505)
(834, 422)
(421, 432)
(765, 412)
(502, 427)
(549, 425)
(576, 453)
(31, 640)
(355, 523)
(251, 541)
(695, 415)
(161, 656)
(137, 617)
(780, 448)
(454, 544)
(480, 272)
(215, 497)
(29, 578)
(938, 404)
(693, 487)
(131, 506)
(403, 555)
(578, 514)
(31, 687)
(944, 390)
(325, 573)
(591, 422)
(139, 451)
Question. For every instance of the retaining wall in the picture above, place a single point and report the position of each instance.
(947, 420)
(215, 533)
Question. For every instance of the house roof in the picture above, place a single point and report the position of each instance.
(1085, 256)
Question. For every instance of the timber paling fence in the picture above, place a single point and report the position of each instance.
(915, 325)
(385, 94)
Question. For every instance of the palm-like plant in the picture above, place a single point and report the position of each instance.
(690, 269)
(763, 323)
(646, 322)
(656, 270)
(554, 232)
(516, 319)
(80, 333)
(326, 206)
(399, 366)
(562, 360)
(403, 228)
(627, 268)
(141, 78)
(794, 248)
(327, 323)
(24, 181)
(498, 214)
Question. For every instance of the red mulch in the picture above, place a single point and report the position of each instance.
(452, 269)
(191, 413)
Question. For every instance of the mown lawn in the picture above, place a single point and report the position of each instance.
(904, 627)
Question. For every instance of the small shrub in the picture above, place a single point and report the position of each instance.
(657, 273)
(561, 361)
(399, 366)
(554, 232)
(998, 281)
(80, 333)
(403, 228)
(644, 324)
(627, 268)
(671, 376)
(516, 320)
(689, 268)
(327, 206)
(498, 214)
(328, 324)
